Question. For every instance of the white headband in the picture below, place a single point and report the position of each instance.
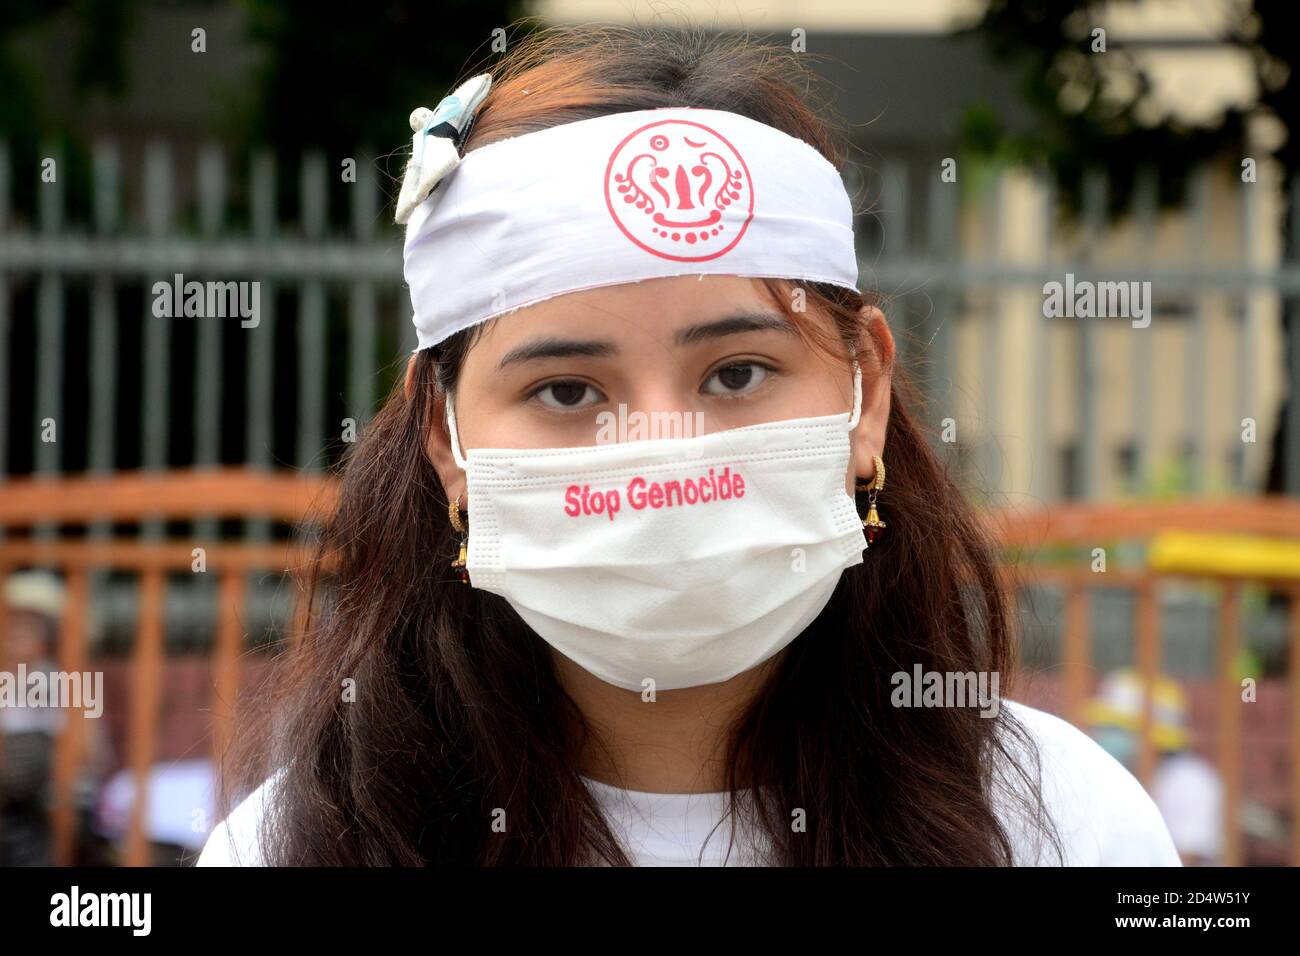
(614, 199)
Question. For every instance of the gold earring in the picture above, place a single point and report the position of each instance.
(458, 565)
(872, 523)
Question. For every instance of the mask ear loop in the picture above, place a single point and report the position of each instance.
(857, 397)
(455, 438)
(460, 563)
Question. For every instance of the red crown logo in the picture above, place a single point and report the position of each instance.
(679, 190)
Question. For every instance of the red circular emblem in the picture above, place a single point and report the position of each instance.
(679, 190)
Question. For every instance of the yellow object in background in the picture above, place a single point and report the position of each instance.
(1119, 704)
(1233, 555)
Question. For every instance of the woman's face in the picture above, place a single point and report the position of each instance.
(711, 349)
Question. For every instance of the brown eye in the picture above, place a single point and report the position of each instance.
(568, 394)
(737, 378)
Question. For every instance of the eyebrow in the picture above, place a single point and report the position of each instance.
(554, 347)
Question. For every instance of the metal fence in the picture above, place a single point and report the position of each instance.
(962, 264)
(978, 258)
(70, 283)
(82, 350)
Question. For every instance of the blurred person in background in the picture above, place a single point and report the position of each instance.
(1185, 786)
(34, 602)
(33, 605)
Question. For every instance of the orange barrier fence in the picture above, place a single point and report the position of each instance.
(216, 493)
(304, 500)
(1088, 526)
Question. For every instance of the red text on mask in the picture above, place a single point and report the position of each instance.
(642, 494)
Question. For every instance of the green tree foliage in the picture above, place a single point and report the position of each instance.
(1095, 107)
(339, 77)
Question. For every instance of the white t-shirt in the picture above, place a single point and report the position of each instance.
(1102, 814)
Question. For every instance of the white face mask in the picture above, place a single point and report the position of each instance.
(684, 561)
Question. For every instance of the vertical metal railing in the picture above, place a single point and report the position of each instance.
(70, 294)
(923, 259)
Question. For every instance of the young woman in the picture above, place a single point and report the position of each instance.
(617, 576)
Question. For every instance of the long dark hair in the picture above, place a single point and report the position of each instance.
(456, 712)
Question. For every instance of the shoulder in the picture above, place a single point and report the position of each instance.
(1100, 811)
(237, 840)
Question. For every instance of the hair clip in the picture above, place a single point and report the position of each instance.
(436, 145)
